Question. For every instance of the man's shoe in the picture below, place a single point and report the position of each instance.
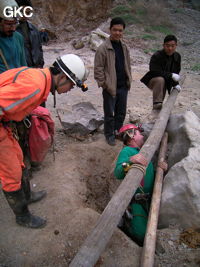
(111, 140)
(157, 106)
(30, 221)
(117, 134)
(35, 166)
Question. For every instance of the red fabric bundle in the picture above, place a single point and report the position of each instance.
(41, 133)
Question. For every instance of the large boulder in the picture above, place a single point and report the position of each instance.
(180, 202)
(82, 119)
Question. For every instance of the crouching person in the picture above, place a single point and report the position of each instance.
(21, 91)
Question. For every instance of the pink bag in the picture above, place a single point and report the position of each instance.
(41, 134)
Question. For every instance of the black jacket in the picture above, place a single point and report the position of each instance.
(33, 46)
(163, 65)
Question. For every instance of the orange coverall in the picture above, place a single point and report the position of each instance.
(21, 91)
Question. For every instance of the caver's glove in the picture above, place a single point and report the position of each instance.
(177, 87)
(176, 77)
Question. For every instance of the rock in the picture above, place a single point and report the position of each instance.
(56, 232)
(78, 44)
(159, 248)
(180, 202)
(134, 118)
(97, 37)
(70, 28)
(101, 33)
(82, 119)
(178, 137)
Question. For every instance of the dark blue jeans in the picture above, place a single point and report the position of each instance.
(114, 110)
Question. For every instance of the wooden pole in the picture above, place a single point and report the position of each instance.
(147, 258)
(97, 240)
(4, 59)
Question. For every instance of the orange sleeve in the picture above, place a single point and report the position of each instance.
(27, 90)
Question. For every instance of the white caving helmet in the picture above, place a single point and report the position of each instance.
(73, 66)
(5, 3)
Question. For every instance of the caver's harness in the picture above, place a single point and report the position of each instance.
(141, 198)
(19, 131)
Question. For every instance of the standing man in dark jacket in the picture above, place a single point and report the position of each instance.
(32, 39)
(112, 71)
(164, 67)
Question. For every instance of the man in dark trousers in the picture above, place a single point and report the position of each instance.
(163, 74)
(32, 40)
(112, 71)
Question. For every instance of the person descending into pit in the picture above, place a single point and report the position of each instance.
(137, 213)
(22, 90)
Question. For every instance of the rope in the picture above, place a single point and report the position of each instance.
(137, 166)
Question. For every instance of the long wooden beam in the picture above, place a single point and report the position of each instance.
(148, 251)
(97, 240)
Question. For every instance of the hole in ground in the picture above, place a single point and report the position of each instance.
(98, 160)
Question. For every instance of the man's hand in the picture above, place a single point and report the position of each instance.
(163, 165)
(139, 159)
(175, 77)
(177, 87)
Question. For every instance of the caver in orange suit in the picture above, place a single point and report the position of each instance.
(22, 90)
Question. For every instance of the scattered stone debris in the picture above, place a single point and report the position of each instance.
(191, 237)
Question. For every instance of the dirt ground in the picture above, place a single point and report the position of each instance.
(77, 181)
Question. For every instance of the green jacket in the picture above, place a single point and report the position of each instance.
(13, 51)
(124, 156)
(136, 227)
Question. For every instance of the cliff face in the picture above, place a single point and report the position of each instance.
(65, 18)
